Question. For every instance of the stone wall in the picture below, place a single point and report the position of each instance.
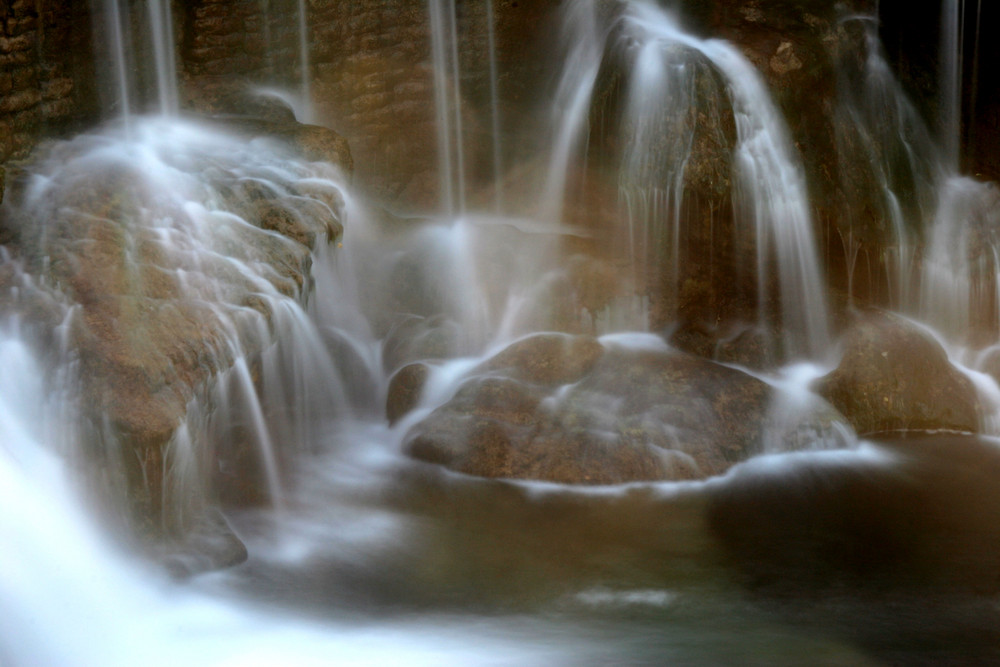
(371, 76)
(46, 75)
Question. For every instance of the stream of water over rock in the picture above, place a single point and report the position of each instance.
(457, 439)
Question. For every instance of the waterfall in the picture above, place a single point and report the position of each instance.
(143, 60)
(216, 356)
(193, 274)
(770, 198)
(448, 105)
(161, 26)
(887, 158)
(494, 108)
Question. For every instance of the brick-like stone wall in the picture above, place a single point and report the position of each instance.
(46, 74)
(371, 76)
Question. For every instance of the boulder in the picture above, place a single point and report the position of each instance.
(895, 376)
(548, 358)
(405, 386)
(568, 409)
(317, 144)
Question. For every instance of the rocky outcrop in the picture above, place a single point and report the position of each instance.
(568, 409)
(895, 376)
(166, 285)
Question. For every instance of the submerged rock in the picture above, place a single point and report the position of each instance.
(569, 409)
(895, 376)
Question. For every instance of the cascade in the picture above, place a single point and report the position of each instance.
(879, 131)
(330, 428)
(959, 286)
(448, 105)
(952, 57)
(143, 80)
(663, 66)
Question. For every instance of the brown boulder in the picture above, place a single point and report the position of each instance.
(496, 427)
(618, 416)
(548, 358)
(404, 390)
(895, 376)
(317, 144)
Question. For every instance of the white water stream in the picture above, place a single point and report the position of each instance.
(359, 555)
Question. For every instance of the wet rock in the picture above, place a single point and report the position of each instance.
(753, 347)
(166, 291)
(619, 416)
(404, 390)
(895, 376)
(548, 358)
(318, 144)
(495, 427)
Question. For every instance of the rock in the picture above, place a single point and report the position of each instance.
(164, 294)
(317, 144)
(548, 358)
(784, 59)
(895, 376)
(414, 338)
(535, 411)
(495, 427)
(404, 390)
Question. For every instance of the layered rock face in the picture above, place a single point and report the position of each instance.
(370, 75)
(46, 72)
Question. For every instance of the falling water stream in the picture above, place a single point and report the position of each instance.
(358, 554)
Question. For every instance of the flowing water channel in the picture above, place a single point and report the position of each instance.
(827, 551)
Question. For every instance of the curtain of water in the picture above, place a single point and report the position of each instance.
(770, 194)
(121, 40)
(448, 105)
(494, 108)
(950, 78)
(161, 27)
(305, 76)
(112, 24)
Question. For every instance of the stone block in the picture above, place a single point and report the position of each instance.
(20, 100)
(55, 89)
